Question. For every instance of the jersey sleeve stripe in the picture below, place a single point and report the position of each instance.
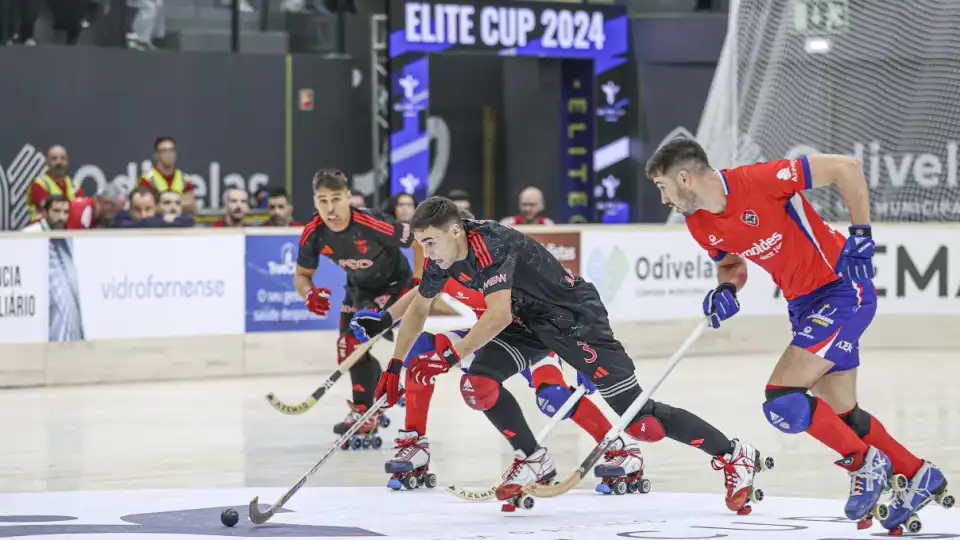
(374, 223)
(480, 248)
(807, 181)
(309, 228)
(719, 256)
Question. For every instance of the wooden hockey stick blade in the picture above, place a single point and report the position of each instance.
(260, 518)
(345, 366)
(541, 490)
(480, 495)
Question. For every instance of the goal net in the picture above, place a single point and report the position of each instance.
(876, 80)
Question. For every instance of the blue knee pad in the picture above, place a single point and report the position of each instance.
(528, 376)
(551, 398)
(790, 413)
(423, 344)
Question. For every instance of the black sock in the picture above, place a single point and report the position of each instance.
(507, 417)
(364, 376)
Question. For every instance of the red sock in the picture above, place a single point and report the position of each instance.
(904, 462)
(828, 428)
(418, 405)
(589, 417)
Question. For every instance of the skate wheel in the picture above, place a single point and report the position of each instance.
(632, 487)
(410, 482)
(507, 507)
(357, 443)
(430, 480)
(644, 486)
(946, 500)
(913, 524)
(525, 501)
(757, 495)
(376, 442)
(366, 442)
(603, 488)
(768, 463)
(394, 484)
(745, 510)
(420, 481)
(385, 422)
(898, 483)
(619, 487)
(882, 511)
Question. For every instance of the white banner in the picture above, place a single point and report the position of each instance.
(23, 290)
(648, 274)
(160, 286)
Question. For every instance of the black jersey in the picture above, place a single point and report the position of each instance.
(545, 295)
(368, 249)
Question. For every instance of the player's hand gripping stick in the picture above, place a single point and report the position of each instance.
(318, 301)
(368, 323)
(720, 304)
(259, 517)
(343, 368)
(389, 383)
(541, 490)
(425, 367)
(855, 262)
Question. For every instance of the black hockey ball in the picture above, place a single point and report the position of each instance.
(229, 517)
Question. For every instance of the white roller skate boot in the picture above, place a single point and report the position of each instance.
(410, 465)
(622, 469)
(740, 467)
(537, 467)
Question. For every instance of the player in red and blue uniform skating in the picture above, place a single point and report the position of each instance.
(758, 212)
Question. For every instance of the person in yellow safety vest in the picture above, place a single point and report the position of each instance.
(165, 176)
(54, 182)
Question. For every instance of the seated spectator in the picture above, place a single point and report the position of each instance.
(53, 215)
(54, 182)
(531, 208)
(171, 210)
(97, 212)
(357, 200)
(461, 198)
(143, 213)
(279, 210)
(236, 206)
(401, 206)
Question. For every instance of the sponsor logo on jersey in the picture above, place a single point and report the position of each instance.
(750, 218)
(499, 278)
(714, 241)
(765, 248)
(326, 251)
(355, 264)
(362, 246)
(822, 316)
(784, 174)
(844, 346)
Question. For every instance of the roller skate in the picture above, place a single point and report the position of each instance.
(366, 436)
(900, 514)
(867, 484)
(622, 471)
(740, 468)
(410, 466)
(538, 467)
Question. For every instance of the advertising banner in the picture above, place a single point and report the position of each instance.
(23, 290)
(565, 246)
(159, 286)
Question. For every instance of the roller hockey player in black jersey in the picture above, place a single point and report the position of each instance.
(366, 244)
(535, 306)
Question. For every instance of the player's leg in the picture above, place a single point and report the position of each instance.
(363, 377)
(546, 377)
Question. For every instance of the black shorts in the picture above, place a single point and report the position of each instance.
(512, 351)
(357, 299)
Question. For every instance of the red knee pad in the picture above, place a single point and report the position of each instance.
(480, 393)
(345, 346)
(646, 429)
(547, 375)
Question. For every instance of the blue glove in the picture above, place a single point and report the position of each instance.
(721, 303)
(368, 323)
(584, 381)
(855, 262)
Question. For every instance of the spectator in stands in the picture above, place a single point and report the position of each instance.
(461, 198)
(165, 176)
(53, 215)
(143, 213)
(358, 200)
(68, 18)
(236, 206)
(401, 206)
(97, 212)
(279, 210)
(19, 21)
(171, 211)
(149, 23)
(531, 210)
(54, 182)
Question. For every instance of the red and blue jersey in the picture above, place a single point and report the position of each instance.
(768, 221)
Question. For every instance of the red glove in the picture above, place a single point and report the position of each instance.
(318, 301)
(389, 383)
(425, 367)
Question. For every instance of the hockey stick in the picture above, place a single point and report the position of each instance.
(259, 518)
(541, 490)
(480, 495)
(344, 367)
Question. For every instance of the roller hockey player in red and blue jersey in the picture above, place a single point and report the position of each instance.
(758, 212)
(534, 306)
(366, 244)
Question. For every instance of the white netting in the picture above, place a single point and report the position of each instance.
(887, 91)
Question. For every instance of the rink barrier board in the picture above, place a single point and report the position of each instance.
(280, 353)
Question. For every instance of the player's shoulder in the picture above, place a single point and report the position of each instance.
(780, 169)
(375, 220)
(312, 229)
(491, 234)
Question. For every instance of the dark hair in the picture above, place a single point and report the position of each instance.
(277, 192)
(332, 179)
(160, 140)
(459, 195)
(146, 191)
(48, 202)
(435, 212)
(391, 208)
(682, 153)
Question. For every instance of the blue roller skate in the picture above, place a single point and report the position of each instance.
(867, 482)
(900, 514)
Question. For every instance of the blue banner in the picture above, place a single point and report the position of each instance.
(576, 142)
(410, 144)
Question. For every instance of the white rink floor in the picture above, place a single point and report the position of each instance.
(216, 444)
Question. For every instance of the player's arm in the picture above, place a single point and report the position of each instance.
(386, 229)
(415, 314)
(308, 259)
(846, 173)
(732, 268)
(495, 319)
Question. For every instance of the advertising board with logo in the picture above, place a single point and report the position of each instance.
(565, 246)
(23, 290)
(159, 286)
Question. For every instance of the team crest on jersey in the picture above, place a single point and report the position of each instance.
(750, 218)
(362, 246)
